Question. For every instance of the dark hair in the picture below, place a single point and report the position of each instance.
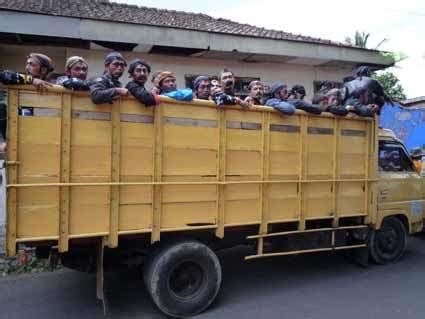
(224, 71)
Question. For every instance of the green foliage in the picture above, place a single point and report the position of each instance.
(391, 85)
(360, 39)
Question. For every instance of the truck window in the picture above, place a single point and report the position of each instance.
(393, 158)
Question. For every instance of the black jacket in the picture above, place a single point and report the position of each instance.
(360, 85)
(74, 83)
(139, 92)
(103, 89)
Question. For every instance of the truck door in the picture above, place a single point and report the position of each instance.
(400, 187)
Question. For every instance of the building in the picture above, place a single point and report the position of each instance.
(417, 102)
(187, 43)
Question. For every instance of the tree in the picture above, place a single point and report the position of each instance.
(391, 85)
(360, 40)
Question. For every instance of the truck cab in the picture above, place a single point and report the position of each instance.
(400, 187)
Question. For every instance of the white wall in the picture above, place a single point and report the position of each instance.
(13, 57)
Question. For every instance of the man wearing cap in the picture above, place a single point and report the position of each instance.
(166, 82)
(296, 98)
(297, 92)
(202, 87)
(37, 68)
(256, 93)
(107, 87)
(75, 77)
(226, 95)
(279, 94)
(139, 71)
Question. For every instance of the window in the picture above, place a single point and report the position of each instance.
(393, 158)
(241, 83)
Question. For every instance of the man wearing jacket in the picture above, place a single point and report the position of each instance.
(75, 78)
(139, 71)
(279, 94)
(107, 87)
(37, 69)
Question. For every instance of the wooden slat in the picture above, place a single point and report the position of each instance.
(335, 173)
(115, 175)
(303, 171)
(12, 170)
(264, 201)
(157, 174)
(221, 173)
(65, 172)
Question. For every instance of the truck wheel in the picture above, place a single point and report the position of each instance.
(388, 244)
(183, 279)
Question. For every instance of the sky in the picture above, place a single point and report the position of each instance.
(402, 23)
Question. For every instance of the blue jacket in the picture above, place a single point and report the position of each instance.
(180, 95)
(281, 106)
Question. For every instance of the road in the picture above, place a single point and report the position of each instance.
(314, 286)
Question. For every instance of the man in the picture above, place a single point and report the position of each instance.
(166, 82)
(37, 69)
(334, 103)
(226, 95)
(256, 93)
(296, 98)
(365, 91)
(297, 92)
(75, 78)
(202, 87)
(107, 87)
(279, 94)
(339, 104)
(139, 71)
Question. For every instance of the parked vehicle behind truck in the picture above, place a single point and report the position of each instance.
(169, 186)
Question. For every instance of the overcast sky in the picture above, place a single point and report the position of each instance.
(401, 22)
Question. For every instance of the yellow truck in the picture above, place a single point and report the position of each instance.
(168, 186)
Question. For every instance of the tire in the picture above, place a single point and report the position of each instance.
(388, 244)
(183, 279)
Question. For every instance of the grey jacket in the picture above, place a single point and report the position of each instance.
(103, 89)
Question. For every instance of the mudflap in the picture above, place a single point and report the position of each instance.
(100, 292)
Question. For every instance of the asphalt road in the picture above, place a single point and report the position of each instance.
(314, 286)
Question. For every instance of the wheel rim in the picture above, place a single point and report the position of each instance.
(186, 280)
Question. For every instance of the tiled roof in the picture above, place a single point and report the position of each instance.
(118, 12)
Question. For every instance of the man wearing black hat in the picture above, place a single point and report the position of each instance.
(279, 94)
(107, 88)
(201, 87)
(296, 98)
(139, 71)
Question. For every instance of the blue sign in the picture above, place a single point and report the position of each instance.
(407, 124)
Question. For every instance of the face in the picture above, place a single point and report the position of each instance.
(140, 73)
(33, 68)
(283, 93)
(78, 70)
(169, 84)
(116, 68)
(323, 102)
(257, 91)
(227, 80)
(203, 90)
(299, 96)
(333, 100)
